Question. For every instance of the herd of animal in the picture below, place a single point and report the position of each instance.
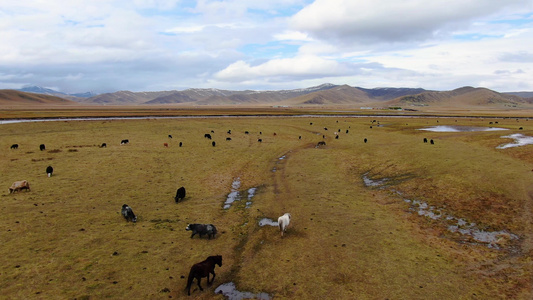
(198, 270)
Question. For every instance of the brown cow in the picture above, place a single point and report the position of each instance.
(19, 186)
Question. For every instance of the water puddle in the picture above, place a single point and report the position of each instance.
(267, 221)
(278, 161)
(229, 291)
(235, 194)
(453, 224)
(519, 140)
(251, 194)
(378, 183)
(450, 128)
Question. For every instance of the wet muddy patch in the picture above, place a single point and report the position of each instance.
(231, 293)
(279, 160)
(475, 235)
(470, 232)
(237, 195)
(519, 140)
(450, 128)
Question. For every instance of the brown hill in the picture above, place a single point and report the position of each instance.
(125, 97)
(461, 97)
(13, 97)
(342, 94)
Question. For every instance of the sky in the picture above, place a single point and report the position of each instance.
(103, 46)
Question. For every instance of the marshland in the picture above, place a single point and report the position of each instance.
(356, 232)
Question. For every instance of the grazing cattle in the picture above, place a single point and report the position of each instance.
(228, 139)
(300, 137)
(128, 214)
(104, 145)
(207, 136)
(180, 194)
(49, 170)
(19, 186)
(346, 130)
(283, 223)
(42, 147)
(246, 132)
(260, 132)
(202, 229)
(431, 142)
(370, 127)
(520, 128)
(365, 140)
(181, 144)
(310, 123)
(213, 143)
(15, 146)
(325, 128)
(203, 269)
(336, 137)
(212, 131)
(124, 142)
(275, 134)
(165, 144)
(229, 131)
(169, 136)
(425, 140)
(321, 143)
(259, 140)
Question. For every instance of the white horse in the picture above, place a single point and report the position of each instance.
(283, 223)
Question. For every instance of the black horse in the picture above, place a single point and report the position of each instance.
(202, 269)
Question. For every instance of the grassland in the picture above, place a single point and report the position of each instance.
(65, 238)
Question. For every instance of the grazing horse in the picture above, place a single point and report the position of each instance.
(203, 269)
(283, 223)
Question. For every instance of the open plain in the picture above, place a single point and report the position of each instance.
(392, 218)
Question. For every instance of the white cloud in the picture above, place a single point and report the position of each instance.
(361, 21)
(299, 67)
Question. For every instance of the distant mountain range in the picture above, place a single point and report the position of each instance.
(325, 94)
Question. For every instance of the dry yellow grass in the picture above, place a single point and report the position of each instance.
(66, 239)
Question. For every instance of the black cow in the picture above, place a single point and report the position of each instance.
(213, 143)
(181, 144)
(431, 142)
(336, 137)
(104, 145)
(202, 229)
(425, 140)
(322, 143)
(229, 131)
(365, 140)
(124, 142)
(180, 194)
(49, 170)
(15, 146)
(170, 136)
(246, 132)
(42, 147)
(260, 140)
(207, 136)
(128, 214)
(228, 139)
